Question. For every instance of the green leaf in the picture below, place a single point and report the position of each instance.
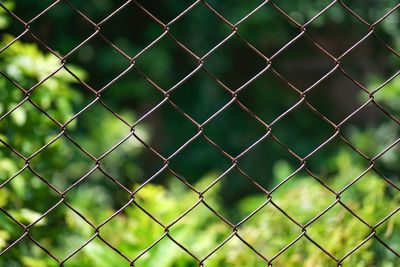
(32, 262)
(27, 216)
(4, 237)
(19, 116)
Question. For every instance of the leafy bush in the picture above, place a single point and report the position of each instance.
(132, 231)
(268, 231)
(33, 124)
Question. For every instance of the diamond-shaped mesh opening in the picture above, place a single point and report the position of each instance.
(208, 235)
(232, 70)
(170, 10)
(97, 252)
(244, 130)
(171, 139)
(27, 253)
(163, 207)
(97, 10)
(298, 71)
(12, 99)
(303, 205)
(267, 30)
(385, 169)
(275, 224)
(217, 198)
(385, 98)
(97, 190)
(303, 11)
(93, 56)
(156, 255)
(118, 163)
(27, 130)
(20, 202)
(370, 52)
(303, 118)
(234, 10)
(357, 199)
(351, 30)
(79, 231)
(385, 31)
(11, 163)
(60, 101)
(377, 10)
(23, 65)
(388, 234)
(337, 220)
(275, 95)
(386, 255)
(200, 17)
(159, 65)
(200, 97)
(377, 120)
(236, 251)
(339, 170)
(9, 229)
(45, 28)
(265, 169)
(211, 161)
(9, 25)
(21, 8)
(336, 97)
(116, 130)
(304, 252)
(60, 175)
(128, 40)
(132, 95)
(142, 231)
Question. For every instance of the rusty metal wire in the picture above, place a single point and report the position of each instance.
(233, 92)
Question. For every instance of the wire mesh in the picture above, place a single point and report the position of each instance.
(166, 93)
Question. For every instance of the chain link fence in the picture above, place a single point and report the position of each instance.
(96, 95)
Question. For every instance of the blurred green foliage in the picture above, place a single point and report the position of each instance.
(27, 129)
